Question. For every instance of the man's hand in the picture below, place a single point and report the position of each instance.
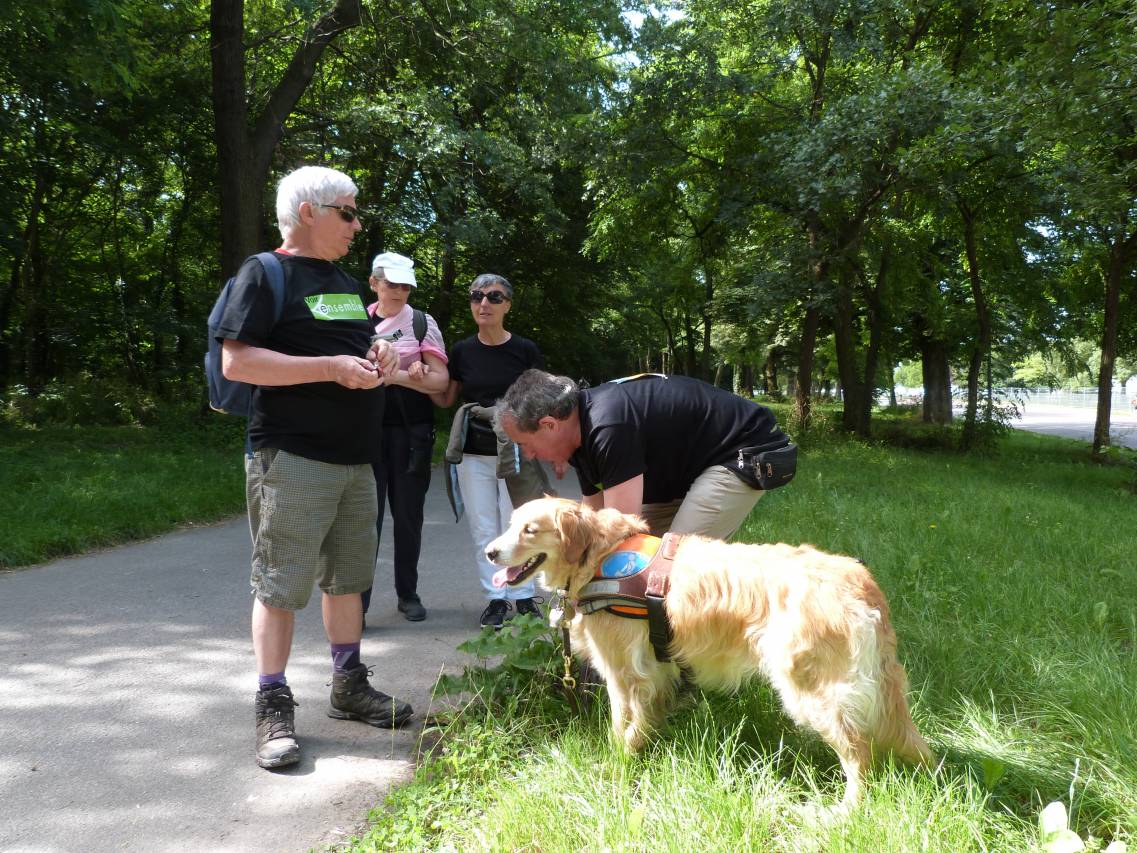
(559, 469)
(351, 371)
(383, 356)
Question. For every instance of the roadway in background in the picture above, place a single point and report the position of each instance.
(1077, 422)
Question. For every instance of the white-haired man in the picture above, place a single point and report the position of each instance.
(314, 431)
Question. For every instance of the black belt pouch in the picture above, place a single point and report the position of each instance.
(766, 468)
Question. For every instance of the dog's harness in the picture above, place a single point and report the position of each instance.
(632, 581)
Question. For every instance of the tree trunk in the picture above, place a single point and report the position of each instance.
(844, 331)
(802, 401)
(875, 305)
(770, 374)
(1120, 254)
(443, 305)
(983, 321)
(747, 379)
(23, 249)
(937, 381)
(708, 299)
(240, 199)
(691, 361)
(244, 154)
(37, 337)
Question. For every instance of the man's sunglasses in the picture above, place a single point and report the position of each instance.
(496, 297)
(347, 214)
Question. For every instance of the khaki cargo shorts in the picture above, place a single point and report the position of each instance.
(312, 523)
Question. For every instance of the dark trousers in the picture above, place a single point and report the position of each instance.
(406, 493)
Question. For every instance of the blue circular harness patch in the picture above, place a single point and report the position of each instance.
(623, 564)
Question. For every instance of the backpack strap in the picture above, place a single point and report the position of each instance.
(275, 274)
(418, 323)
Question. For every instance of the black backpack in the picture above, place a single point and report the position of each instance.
(226, 395)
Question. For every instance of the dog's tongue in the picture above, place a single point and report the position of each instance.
(504, 576)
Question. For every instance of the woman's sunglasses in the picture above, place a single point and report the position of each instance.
(347, 214)
(496, 297)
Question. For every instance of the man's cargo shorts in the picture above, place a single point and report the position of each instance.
(311, 522)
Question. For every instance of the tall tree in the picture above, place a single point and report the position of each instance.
(244, 149)
(1086, 125)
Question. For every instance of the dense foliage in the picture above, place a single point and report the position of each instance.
(792, 195)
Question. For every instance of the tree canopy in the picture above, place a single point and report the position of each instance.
(789, 196)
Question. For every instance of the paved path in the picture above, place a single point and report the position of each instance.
(126, 697)
(1078, 423)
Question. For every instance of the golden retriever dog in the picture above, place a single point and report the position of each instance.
(814, 624)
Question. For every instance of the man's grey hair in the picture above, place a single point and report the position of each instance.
(535, 395)
(487, 279)
(312, 184)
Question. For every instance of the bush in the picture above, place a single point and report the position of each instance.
(85, 401)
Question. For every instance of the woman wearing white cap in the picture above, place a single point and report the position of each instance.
(403, 476)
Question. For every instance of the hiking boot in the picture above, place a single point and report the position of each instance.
(276, 728)
(353, 698)
(527, 607)
(494, 614)
(412, 609)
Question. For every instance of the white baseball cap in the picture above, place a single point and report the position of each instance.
(394, 267)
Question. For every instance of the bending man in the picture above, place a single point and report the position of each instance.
(661, 447)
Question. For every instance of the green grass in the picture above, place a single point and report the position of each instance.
(68, 489)
(1013, 590)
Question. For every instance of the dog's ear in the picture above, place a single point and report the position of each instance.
(575, 533)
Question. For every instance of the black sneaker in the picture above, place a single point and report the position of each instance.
(353, 698)
(276, 728)
(412, 609)
(494, 614)
(528, 607)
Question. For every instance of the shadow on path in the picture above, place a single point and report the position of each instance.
(126, 697)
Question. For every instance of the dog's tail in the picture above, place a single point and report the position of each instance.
(895, 730)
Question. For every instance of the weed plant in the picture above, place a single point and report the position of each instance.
(1014, 595)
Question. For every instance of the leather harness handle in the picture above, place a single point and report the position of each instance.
(658, 583)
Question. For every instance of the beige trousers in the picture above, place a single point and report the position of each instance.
(716, 505)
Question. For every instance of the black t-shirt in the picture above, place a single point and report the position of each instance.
(322, 315)
(670, 429)
(486, 372)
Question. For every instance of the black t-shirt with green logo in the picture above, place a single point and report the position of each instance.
(670, 429)
(322, 315)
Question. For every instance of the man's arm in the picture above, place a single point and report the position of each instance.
(259, 366)
(627, 496)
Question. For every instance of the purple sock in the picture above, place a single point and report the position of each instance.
(345, 656)
(271, 680)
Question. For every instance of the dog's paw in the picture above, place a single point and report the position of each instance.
(634, 739)
(819, 815)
